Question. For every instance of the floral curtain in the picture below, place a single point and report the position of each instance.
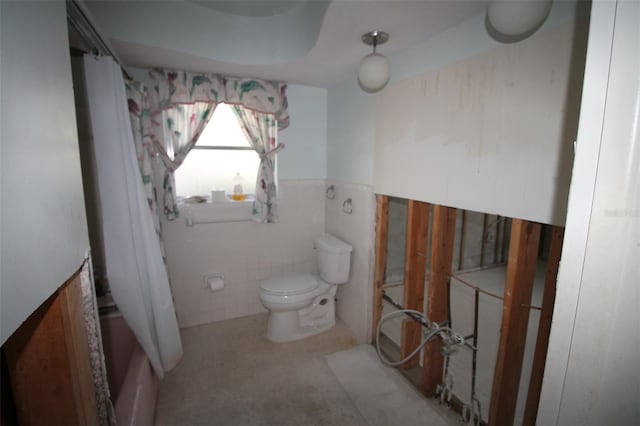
(148, 163)
(261, 130)
(182, 125)
(181, 103)
(140, 123)
(170, 88)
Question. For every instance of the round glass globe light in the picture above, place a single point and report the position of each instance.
(517, 17)
(374, 71)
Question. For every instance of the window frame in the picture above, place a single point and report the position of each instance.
(224, 148)
(250, 195)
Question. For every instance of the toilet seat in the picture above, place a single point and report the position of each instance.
(290, 285)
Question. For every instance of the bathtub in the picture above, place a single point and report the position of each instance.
(132, 383)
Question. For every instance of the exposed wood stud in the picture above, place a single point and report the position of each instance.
(505, 237)
(442, 242)
(521, 268)
(414, 275)
(496, 240)
(544, 327)
(463, 231)
(485, 222)
(380, 266)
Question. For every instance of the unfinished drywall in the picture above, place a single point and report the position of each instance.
(490, 133)
(44, 228)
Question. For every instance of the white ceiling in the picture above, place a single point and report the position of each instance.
(309, 42)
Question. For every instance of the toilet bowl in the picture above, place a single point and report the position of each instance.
(303, 305)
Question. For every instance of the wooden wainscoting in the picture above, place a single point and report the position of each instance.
(48, 363)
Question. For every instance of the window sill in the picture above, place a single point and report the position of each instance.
(217, 212)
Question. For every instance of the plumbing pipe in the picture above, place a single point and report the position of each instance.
(416, 317)
(434, 331)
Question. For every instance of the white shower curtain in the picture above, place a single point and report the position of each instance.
(135, 268)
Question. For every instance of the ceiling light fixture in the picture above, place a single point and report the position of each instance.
(515, 20)
(374, 70)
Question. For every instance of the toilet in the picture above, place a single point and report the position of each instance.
(302, 305)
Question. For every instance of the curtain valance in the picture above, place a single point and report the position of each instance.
(169, 115)
(169, 88)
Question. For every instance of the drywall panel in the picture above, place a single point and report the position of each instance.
(44, 228)
(491, 133)
(351, 111)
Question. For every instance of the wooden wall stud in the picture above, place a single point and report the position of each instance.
(442, 241)
(544, 327)
(521, 269)
(414, 275)
(380, 266)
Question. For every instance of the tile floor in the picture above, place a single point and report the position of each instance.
(231, 375)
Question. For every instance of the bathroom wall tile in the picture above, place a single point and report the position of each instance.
(276, 271)
(355, 297)
(258, 274)
(303, 268)
(188, 320)
(230, 310)
(256, 308)
(245, 253)
(242, 308)
(211, 316)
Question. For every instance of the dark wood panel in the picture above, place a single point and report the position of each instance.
(48, 363)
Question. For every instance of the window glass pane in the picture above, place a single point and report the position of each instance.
(223, 129)
(204, 170)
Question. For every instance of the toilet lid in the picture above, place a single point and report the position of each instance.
(290, 285)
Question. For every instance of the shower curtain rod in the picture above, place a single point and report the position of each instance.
(79, 17)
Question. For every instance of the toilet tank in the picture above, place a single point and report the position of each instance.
(334, 259)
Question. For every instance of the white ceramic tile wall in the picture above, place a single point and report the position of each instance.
(355, 297)
(245, 252)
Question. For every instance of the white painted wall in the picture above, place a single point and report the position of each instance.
(350, 134)
(44, 230)
(491, 133)
(305, 153)
(351, 112)
(592, 375)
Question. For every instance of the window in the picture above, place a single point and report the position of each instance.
(221, 152)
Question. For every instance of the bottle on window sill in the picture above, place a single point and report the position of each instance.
(238, 195)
